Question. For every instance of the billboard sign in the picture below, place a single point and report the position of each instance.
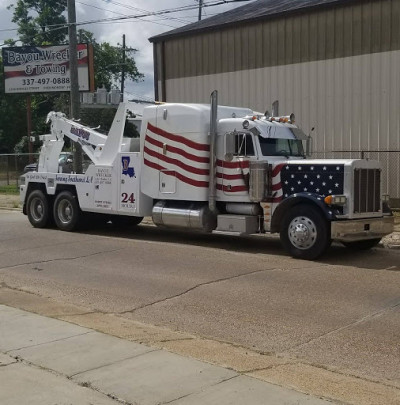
(42, 69)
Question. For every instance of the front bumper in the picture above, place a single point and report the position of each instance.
(361, 229)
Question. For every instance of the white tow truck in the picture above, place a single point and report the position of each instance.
(209, 168)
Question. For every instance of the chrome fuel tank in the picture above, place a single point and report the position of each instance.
(189, 215)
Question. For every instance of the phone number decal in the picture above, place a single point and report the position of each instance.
(55, 80)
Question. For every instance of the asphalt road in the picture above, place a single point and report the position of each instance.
(342, 312)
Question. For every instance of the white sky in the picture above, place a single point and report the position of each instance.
(136, 31)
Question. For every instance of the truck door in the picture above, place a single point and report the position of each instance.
(235, 173)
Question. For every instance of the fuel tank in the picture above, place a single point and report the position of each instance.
(181, 214)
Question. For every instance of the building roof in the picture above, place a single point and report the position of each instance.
(257, 10)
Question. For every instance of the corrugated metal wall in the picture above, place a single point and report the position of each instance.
(338, 70)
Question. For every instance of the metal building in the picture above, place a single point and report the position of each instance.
(334, 63)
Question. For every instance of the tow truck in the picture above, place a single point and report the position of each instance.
(210, 168)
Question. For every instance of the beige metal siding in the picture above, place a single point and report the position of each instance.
(352, 102)
(337, 69)
(363, 28)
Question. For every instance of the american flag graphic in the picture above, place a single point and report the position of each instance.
(322, 179)
(232, 177)
(189, 161)
(183, 158)
(20, 67)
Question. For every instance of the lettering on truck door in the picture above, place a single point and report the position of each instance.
(103, 187)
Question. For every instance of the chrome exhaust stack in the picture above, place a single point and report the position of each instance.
(212, 187)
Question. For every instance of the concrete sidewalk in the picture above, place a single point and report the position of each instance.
(48, 361)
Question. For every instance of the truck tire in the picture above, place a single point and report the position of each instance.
(67, 214)
(124, 221)
(38, 209)
(305, 232)
(362, 244)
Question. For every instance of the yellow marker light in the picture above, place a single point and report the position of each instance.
(335, 200)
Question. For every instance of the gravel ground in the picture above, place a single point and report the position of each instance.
(391, 241)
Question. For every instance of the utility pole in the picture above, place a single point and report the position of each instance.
(200, 8)
(123, 68)
(29, 126)
(73, 68)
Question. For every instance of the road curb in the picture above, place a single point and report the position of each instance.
(293, 373)
(117, 369)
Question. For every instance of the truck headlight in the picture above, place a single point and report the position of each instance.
(22, 180)
(335, 200)
(385, 198)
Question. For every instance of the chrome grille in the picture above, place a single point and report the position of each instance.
(367, 190)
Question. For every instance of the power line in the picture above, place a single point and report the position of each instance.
(116, 12)
(114, 19)
(162, 12)
(137, 16)
(129, 7)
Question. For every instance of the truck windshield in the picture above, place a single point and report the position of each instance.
(281, 147)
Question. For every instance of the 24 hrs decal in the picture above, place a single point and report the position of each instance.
(126, 198)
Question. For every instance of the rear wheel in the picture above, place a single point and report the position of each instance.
(67, 214)
(38, 210)
(362, 244)
(305, 232)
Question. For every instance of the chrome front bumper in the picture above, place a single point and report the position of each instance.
(361, 229)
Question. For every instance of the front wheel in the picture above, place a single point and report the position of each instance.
(305, 232)
(362, 244)
(67, 214)
(38, 209)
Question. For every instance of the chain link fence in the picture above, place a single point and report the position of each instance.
(13, 165)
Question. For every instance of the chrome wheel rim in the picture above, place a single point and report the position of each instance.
(37, 209)
(302, 233)
(65, 211)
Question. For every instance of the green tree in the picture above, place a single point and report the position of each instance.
(108, 62)
(40, 22)
(12, 117)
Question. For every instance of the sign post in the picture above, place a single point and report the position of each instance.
(29, 126)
